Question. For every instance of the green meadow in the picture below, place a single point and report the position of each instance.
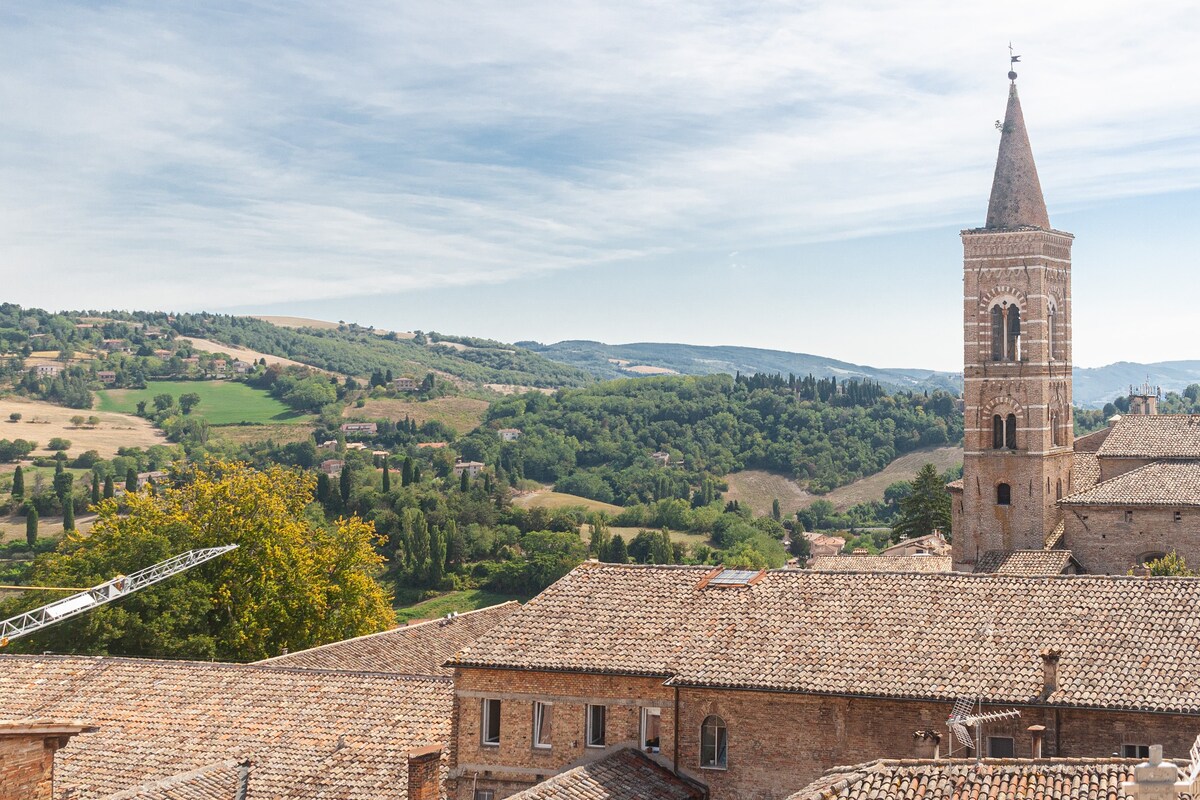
(221, 402)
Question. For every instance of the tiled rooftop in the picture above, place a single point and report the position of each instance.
(625, 775)
(1085, 471)
(1153, 436)
(1024, 562)
(419, 649)
(1126, 642)
(1090, 442)
(1161, 483)
(991, 779)
(159, 719)
(882, 563)
(214, 782)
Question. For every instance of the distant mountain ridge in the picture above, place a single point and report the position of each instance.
(1093, 386)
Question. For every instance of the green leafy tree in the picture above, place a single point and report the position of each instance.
(109, 488)
(926, 509)
(63, 484)
(293, 583)
(437, 556)
(406, 472)
(131, 480)
(18, 484)
(617, 553)
(31, 526)
(188, 401)
(1172, 564)
(163, 401)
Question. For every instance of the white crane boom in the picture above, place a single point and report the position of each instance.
(115, 589)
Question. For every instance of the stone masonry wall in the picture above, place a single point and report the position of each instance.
(26, 767)
(1105, 544)
(516, 764)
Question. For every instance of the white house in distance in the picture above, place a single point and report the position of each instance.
(46, 370)
(106, 376)
(406, 385)
(360, 427)
(509, 434)
(332, 466)
(471, 468)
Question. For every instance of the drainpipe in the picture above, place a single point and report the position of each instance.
(243, 780)
(675, 758)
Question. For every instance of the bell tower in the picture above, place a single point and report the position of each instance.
(1018, 440)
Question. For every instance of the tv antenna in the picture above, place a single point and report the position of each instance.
(968, 713)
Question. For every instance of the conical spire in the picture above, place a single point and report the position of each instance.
(1016, 192)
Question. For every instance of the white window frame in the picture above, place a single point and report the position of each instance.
(539, 719)
(646, 714)
(1012, 746)
(484, 794)
(590, 733)
(1139, 750)
(489, 706)
(717, 749)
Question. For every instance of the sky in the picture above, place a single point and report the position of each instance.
(790, 175)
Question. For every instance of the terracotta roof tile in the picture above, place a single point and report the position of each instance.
(419, 649)
(882, 563)
(991, 779)
(1161, 483)
(1090, 442)
(1126, 642)
(1024, 562)
(159, 719)
(625, 775)
(1085, 471)
(1153, 436)
(214, 782)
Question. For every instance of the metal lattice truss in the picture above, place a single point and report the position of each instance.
(962, 718)
(115, 589)
(1194, 768)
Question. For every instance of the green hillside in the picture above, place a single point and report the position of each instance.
(221, 402)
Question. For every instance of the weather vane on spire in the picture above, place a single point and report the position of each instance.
(1012, 59)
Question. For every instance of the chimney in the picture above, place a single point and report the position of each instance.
(424, 773)
(1050, 658)
(926, 744)
(1155, 779)
(1037, 733)
(243, 789)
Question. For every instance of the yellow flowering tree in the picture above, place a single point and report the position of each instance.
(294, 582)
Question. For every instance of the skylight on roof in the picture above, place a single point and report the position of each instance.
(734, 577)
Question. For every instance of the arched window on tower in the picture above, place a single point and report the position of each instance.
(997, 333)
(1058, 490)
(997, 432)
(1052, 334)
(1003, 494)
(1010, 432)
(1006, 332)
(1013, 348)
(1056, 431)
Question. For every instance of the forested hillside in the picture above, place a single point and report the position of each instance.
(598, 441)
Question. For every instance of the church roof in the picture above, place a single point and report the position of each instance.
(990, 779)
(419, 649)
(1161, 483)
(625, 775)
(882, 564)
(1153, 436)
(1024, 562)
(1016, 200)
(1085, 471)
(1126, 643)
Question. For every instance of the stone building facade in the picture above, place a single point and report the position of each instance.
(758, 682)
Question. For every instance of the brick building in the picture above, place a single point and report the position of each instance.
(27, 748)
(753, 684)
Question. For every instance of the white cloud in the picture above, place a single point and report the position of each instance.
(210, 155)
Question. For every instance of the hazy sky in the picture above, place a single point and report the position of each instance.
(784, 175)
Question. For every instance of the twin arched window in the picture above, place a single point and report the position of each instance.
(1004, 432)
(713, 743)
(1006, 332)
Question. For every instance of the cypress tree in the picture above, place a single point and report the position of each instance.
(131, 480)
(31, 526)
(109, 488)
(775, 514)
(344, 483)
(617, 552)
(58, 467)
(69, 513)
(416, 473)
(437, 556)
(406, 472)
(18, 488)
(387, 477)
(322, 488)
(464, 481)
(95, 488)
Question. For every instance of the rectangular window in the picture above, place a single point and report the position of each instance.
(542, 718)
(595, 725)
(1178, 518)
(651, 729)
(1135, 751)
(1000, 747)
(484, 794)
(1129, 516)
(490, 724)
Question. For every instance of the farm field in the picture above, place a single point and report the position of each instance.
(221, 402)
(467, 600)
(757, 488)
(244, 353)
(676, 536)
(40, 422)
(463, 414)
(12, 528)
(322, 324)
(245, 434)
(546, 498)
